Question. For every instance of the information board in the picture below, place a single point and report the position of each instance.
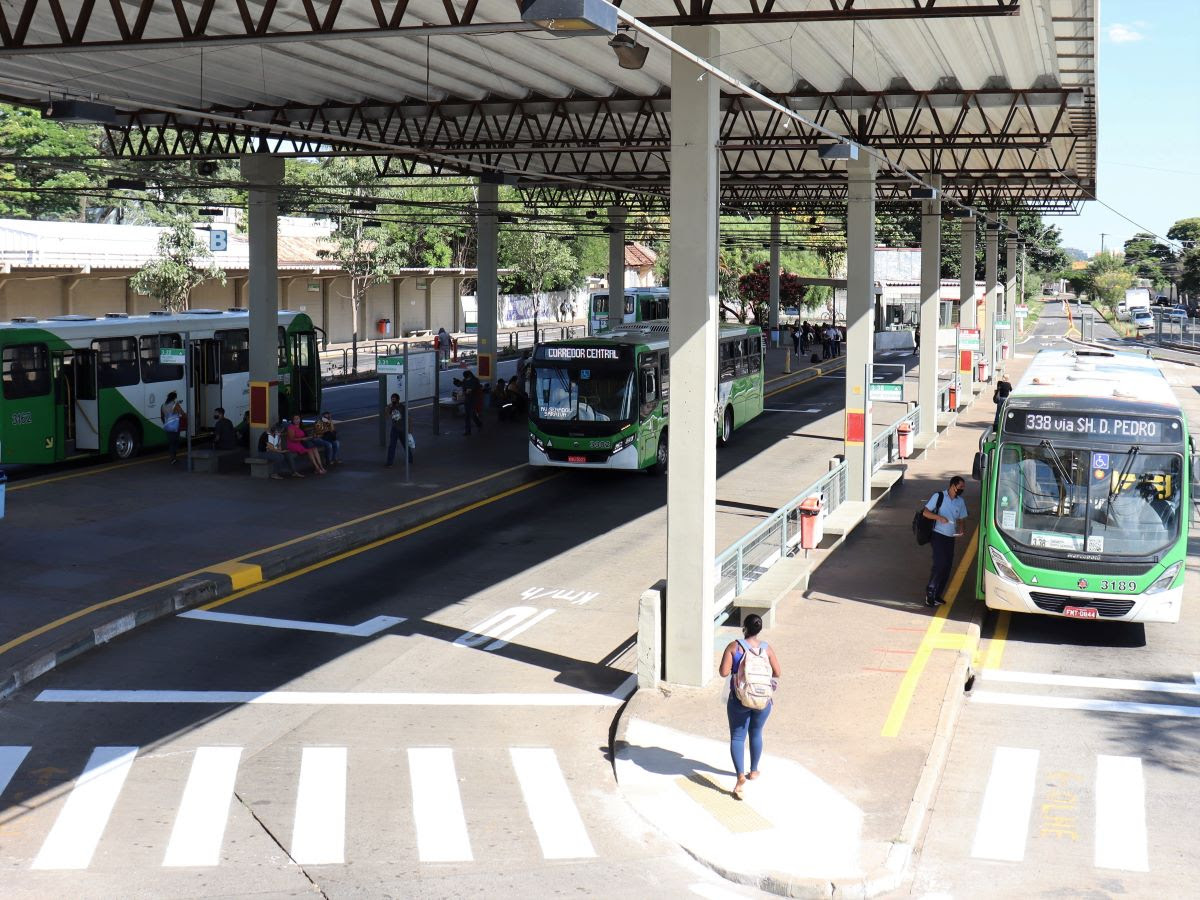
(1095, 426)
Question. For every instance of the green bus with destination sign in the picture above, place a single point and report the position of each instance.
(603, 402)
(79, 385)
(1088, 481)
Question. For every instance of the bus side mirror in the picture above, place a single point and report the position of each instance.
(979, 466)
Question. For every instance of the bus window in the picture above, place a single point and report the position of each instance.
(235, 350)
(600, 304)
(629, 304)
(739, 357)
(116, 361)
(26, 371)
(725, 362)
(152, 370)
(282, 361)
(754, 358)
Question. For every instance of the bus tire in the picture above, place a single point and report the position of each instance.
(125, 442)
(659, 466)
(726, 434)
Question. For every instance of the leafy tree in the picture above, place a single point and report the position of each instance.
(756, 289)
(36, 190)
(1185, 231)
(1107, 279)
(1189, 277)
(541, 263)
(367, 258)
(170, 277)
(1146, 257)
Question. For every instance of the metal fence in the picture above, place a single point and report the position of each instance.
(886, 446)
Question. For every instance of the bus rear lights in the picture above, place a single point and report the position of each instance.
(1003, 568)
(1164, 581)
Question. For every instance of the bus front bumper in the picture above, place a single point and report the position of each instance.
(626, 458)
(1001, 594)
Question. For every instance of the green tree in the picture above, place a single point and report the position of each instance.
(170, 277)
(1186, 231)
(33, 188)
(367, 258)
(541, 263)
(1189, 272)
(1146, 257)
(1108, 279)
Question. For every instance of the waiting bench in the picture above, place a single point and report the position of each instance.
(212, 460)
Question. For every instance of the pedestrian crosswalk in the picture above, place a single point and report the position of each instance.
(1026, 801)
(80, 817)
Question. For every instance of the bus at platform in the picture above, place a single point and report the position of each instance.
(1088, 479)
(604, 402)
(644, 304)
(73, 386)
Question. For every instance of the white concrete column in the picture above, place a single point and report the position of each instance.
(966, 287)
(691, 483)
(263, 174)
(616, 264)
(991, 277)
(931, 287)
(773, 281)
(486, 296)
(1005, 311)
(860, 321)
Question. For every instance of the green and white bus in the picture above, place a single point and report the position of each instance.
(77, 385)
(641, 305)
(603, 402)
(1086, 492)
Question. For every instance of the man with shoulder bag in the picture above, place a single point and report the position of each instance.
(948, 513)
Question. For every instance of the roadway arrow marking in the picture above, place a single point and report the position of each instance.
(365, 629)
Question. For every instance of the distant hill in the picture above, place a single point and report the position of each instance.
(1075, 253)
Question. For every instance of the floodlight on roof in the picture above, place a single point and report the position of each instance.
(960, 212)
(128, 184)
(574, 17)
(207, 167)
(210, 211)
(923, 193)
(64, 110)
(372, 223)
(630, 54)
(839, 151)
(364, 205)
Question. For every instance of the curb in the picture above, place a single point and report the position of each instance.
(205, 587)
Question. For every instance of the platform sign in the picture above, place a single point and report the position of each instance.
(1002, 325)
(390, 365)
(218, 240)
(888, 392)
(172, 356)
(1021, 312)
(968, 339)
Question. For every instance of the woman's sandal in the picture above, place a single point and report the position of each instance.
(752, 775)
(737, 790)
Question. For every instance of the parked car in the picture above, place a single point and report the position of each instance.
(1142, 318)
(1176, 314)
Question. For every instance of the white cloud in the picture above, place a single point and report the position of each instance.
(1124, 34)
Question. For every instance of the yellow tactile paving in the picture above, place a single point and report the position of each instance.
(736, 815)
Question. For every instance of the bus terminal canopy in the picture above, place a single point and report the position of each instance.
(997, 96)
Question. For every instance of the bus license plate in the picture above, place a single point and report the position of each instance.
(576, 459)
(1080, 612)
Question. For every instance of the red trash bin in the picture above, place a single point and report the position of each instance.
(953, 398)
(812, 522)
(982, 371)
(904, 432)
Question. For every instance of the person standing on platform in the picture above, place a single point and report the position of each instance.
(751, 696)
(472, 391)
(443, 340)
(173, 419)
(948, 511)
(397, 414)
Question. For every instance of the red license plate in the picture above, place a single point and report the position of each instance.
(1080, 612)
(579, 459)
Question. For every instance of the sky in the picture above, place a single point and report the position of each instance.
(1149, 113)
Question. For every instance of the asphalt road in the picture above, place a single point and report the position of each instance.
(503, 652)
(1092, 801)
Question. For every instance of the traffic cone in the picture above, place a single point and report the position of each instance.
(787, 362)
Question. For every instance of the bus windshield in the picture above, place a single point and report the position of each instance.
(1113, 502)
(587, 393)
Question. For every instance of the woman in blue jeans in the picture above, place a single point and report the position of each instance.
(744, 721)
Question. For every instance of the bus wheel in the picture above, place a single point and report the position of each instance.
(726, 427)
(659, 466)
(126, 440)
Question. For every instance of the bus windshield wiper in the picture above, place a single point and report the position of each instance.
(1129, 458)
(1058, 466)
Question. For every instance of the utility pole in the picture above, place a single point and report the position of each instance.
(1103, 235)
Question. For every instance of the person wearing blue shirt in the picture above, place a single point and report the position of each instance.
(948, 511)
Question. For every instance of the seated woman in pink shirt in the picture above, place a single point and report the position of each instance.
(296, 443)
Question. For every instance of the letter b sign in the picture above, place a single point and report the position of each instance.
(218, 239)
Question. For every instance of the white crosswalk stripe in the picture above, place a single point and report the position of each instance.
(322, 818)
(1004, 819)
(1121, 814)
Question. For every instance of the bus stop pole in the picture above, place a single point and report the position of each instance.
(383, 413)
(405, 377)
(187, 392)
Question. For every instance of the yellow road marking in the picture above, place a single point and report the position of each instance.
(22, 485)
(454, 514)
(240, 574)
(817, 373)
(929, 643)
(112, 601)
(995, 651)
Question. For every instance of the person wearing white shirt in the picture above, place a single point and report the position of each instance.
(948, 511)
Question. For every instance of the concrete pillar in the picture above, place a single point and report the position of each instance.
(860, 321)
(325, 326)
(429, 304)
(991, 277)
(966, 288)
(616, 264)
(264, 174)
(691, 483)
(931, 279)
(456, 307)
(486, 296)
(774, 278)
(1010, 274)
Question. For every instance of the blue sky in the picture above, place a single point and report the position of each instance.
(1149, 155)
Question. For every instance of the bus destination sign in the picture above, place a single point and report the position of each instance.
(1115, 428)
(595, 353)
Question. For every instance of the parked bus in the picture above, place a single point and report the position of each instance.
(641, 305)
(602, 402)
(77, 385)
(1087, 491)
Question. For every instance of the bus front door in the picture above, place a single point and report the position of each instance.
(207, 384)
(306, 374)
(86, 411)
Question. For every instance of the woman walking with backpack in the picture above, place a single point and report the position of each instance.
(753, 671)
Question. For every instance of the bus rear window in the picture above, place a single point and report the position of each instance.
(26, 371)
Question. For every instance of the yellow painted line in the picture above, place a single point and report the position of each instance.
(112, 601)
(381, 542)
(995, 651)
(240, 574)
(817, 373)
(929, 643)
(22, 485)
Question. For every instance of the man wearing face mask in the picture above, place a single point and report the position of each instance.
(948, 511)
(224, 437)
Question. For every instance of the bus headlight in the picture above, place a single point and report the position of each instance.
(536, 441)
(1163, 581)
(1003, 569)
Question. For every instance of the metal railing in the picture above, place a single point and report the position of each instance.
(886, 446)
